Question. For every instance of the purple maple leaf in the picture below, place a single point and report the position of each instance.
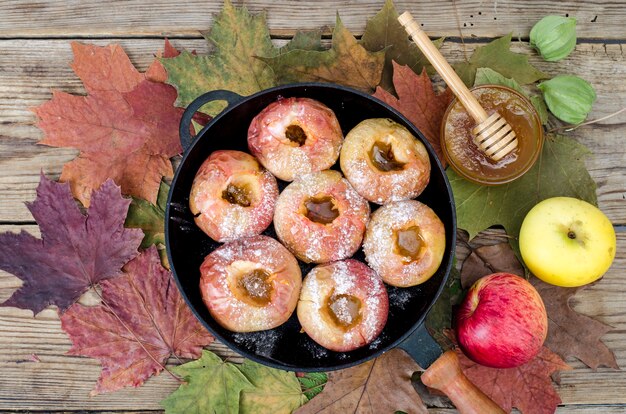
(75, 252)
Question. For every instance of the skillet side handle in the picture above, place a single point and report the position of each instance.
(186, 139)
(445, 375)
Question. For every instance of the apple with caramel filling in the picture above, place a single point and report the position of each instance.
(320, 218)
(404, 243)
(343, 305)
(232, 196)
(251, 284)
(384, 162)
(295, 136)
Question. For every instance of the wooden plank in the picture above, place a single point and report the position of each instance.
(59, 382)
(600, 19)
(30, 68)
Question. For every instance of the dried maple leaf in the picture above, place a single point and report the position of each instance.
(382, 385)
(527, 387)
(346, 62)
(75, 252)
(384, 32)
(156, 72)
(126, 128)
(142, 321)
(570, 334)
(418, 102)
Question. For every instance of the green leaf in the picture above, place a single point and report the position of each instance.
(383, 32)
(150, 219)
(346, 63)
(275, 391)
(212, 386)
(498, 56)
(313, 383)
(485, 76)
(238, 38)
(304, 40)
(559, 171)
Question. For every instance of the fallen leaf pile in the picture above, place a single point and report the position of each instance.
(126, 129)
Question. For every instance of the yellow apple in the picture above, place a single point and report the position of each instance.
(567, 242)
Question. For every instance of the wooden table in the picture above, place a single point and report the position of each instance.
(35, 373)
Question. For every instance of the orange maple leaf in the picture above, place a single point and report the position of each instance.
(418, 102)
(126, 128)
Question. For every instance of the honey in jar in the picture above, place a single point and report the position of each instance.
(468, 160)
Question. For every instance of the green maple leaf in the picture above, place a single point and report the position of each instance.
(150, 218)
(346, 63)
(559, 171)
(498, 56)
(212, 386)
(275, 391)
(488, 76)
(383, 32)
(238, 37)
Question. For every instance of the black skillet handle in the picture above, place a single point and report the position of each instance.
(185, 122)
(443, 372)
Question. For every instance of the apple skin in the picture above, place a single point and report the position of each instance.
(502, 322)
(567, 242)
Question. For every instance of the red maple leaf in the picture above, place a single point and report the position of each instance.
(141, 322)
(527, 387)
(418, 102)
(126, 127)
(75, 252)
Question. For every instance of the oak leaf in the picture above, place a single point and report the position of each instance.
(382, 385)
(275, 391)
(384, 32)
(142, 321)
(126, 128)
(346, 62)
(418, 102)
(76, 251)
(527, 387)
(570, 334)
(498, 56)
(559, 171)
(237, 37)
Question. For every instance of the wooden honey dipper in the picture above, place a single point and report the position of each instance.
(492, 133)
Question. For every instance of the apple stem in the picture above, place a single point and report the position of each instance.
(571, 234)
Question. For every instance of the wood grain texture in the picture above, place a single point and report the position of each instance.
(61, 382)
(119, 18)
(31, 68)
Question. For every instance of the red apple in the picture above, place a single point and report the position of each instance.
(502, 322)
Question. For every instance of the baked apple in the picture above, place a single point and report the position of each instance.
(384, 162)
(320, 218)
(232, 196)
(404, 243)
(250, 284)
(295, 136)
(343, 305)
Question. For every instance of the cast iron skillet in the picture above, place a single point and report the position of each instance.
(286, 347)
